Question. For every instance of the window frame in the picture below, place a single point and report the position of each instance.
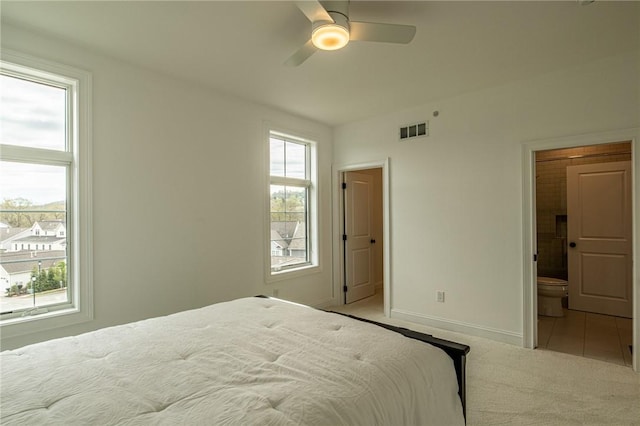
(311, 183)
(77, 158)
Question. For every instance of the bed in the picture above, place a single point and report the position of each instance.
(249, 361)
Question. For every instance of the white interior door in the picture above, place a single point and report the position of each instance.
(599, 235)
(358, 193)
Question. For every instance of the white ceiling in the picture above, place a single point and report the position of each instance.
(239, 47)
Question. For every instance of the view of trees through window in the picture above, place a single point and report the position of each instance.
(22, 213)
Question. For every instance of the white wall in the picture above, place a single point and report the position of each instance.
(456, 196)
(179, 184)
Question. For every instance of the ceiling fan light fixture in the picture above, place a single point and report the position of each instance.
(331, 29)
(331, 35)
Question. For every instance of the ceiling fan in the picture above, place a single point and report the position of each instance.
(331, 29)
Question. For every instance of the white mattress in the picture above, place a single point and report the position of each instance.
(249, 361)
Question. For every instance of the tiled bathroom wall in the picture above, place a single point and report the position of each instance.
(551, 199)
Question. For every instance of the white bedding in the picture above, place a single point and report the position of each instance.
(251, 361)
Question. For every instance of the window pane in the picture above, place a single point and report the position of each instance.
(33, 184)
(276, 157)
(289, 244)
(33, 236)
(295, 160)
(296, 202)
(32, 114)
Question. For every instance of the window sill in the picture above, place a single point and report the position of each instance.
(20, 326)
(292, 273)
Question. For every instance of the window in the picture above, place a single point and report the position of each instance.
(45, 185)
(292, 201)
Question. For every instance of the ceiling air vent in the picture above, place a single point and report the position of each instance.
(414, 131)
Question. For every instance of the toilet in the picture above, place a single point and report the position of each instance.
(551, 291)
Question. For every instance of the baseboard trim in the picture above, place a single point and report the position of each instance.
(326, 304)
(503, 336)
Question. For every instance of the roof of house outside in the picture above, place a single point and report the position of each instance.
(284, 229)
(50, 225)
(299, 240)
(25, 260)
(48, 239)
(7, 233)
(277, 238)
(291, 235)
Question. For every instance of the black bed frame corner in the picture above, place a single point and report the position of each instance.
(456, 351)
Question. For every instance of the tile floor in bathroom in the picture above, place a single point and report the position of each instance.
(597, 336)
(585, 334)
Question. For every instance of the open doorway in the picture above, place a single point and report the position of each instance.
(584, 243)
(533, 333)
(361, 234)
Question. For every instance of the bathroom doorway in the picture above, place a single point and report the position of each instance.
(595, 319)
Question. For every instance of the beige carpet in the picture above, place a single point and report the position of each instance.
(509, 385)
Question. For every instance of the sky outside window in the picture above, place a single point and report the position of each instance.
(32, 115)
(41, 184)
(287, 159)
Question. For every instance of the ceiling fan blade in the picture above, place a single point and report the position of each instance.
(313, 10)
(301, 55)
(388, 33)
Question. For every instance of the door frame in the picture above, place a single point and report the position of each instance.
(529, 292)
(338, 229)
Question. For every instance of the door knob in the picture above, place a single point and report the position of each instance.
(572, 244)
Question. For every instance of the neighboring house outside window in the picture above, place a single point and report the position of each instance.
(45, 232)
(292, 204)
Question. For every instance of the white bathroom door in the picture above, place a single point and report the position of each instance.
(359, 281)
(599, 236)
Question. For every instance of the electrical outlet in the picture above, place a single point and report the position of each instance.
(440, 296)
